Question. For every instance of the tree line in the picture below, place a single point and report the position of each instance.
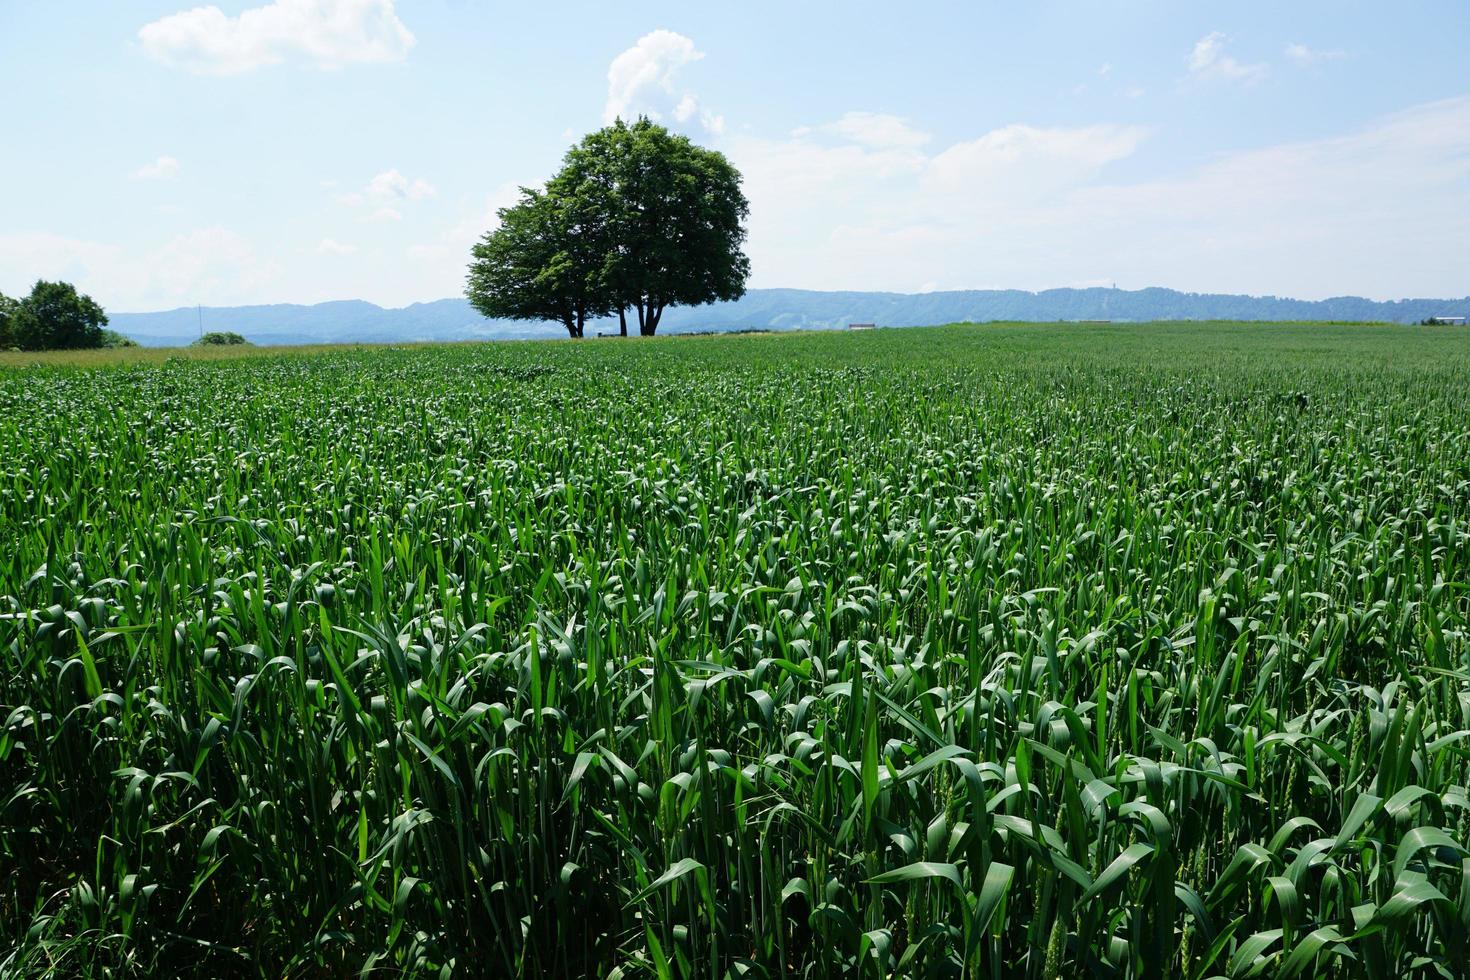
(638, 219)
(55, 317)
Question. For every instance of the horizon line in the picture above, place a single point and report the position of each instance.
(866, 292)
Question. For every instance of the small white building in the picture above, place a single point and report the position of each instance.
(1446, 321)
(862, 326)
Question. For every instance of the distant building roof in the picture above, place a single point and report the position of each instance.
(862, 326)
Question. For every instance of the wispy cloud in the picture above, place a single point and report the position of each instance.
(1209, 60)
(163, 168)
(1031, 207)
(386, 194)
(1304, 55)
(330, 246)
(452, 247)
(873, 129)
(213, 265)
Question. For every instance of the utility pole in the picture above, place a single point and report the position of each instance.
(199, 307)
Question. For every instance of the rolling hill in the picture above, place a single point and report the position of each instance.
(356, 321)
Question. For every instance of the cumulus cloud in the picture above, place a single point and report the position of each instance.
(1209, 60)
(1304, 55)
(1034, 207)
(164, 168)
(325, 33)
(644, 81)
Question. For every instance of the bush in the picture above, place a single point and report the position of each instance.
(111, 338)
(220, 338)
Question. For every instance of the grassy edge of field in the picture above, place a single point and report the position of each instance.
(126, 356)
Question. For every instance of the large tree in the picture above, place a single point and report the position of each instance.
(56, 317)
(673, 216)
(543, 262)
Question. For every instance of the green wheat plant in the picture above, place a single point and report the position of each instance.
(992, 652)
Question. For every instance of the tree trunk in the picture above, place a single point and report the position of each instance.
(655, 314)
(570, 324)
(645, 318)
(622, 321)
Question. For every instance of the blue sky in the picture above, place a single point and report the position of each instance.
(161, 155)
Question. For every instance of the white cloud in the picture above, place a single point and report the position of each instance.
(326, 33)
(1209, 60)
(330, 246)
(28, 256)
(1035, 207)
(386, 193)
(875, 129)
(164, 168)
(1304, 55)
(208, 265)
(1028, 163)
(841, 215)
(390, 185)
(450, 251)
(644, 81)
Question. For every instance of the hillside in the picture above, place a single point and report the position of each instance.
(356, 321)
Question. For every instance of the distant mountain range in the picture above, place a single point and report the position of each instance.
(355, 321)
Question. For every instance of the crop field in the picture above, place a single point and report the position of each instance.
(979, 651)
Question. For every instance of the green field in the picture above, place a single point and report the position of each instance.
(989, 651)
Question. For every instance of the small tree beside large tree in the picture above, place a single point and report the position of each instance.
(542, 263)
(637, 220)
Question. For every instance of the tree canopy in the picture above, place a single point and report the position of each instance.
(542, 263)
(638, 219)
(8, 308)
(53, 317)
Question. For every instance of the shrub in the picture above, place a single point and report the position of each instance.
(111, 338)
(220, 338)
